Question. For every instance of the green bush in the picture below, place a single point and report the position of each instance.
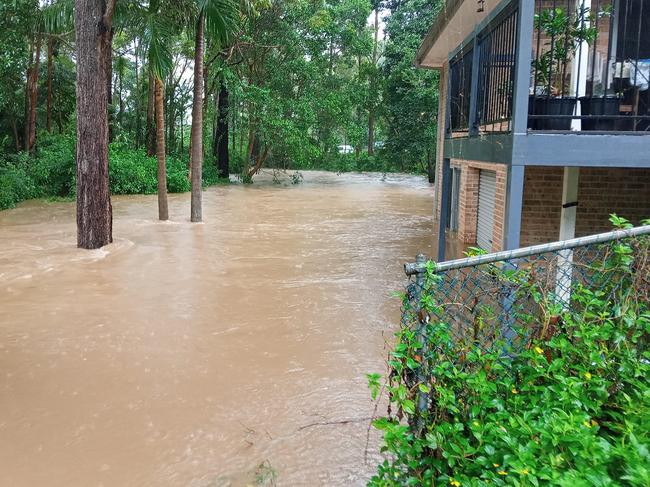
(53, 169)
(131, 172)
(177, 175)
(572, 409)
(15, 184)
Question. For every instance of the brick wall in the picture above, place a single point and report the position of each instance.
(601, 191)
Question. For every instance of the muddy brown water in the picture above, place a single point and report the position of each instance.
(190, 354)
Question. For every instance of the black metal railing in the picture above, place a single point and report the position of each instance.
(591, 66)
(460, 79)
(497, 46)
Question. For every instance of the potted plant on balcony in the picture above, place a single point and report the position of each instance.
(565, 33)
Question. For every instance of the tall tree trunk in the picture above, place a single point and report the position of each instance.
(220, 143)
(93, 46)
(151, 124)
(373, 89)
(182, 129)
(50, 55)
(196, 134)
(28, 111)
(163, 212)
(32, 93)
(120, 113)
(137, 99)
(14, 128)
(109, 84)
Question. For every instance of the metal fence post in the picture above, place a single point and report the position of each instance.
(421, 374)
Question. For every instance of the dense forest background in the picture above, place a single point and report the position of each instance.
(300, 84)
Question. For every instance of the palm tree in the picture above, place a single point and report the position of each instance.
(218, 19)
(156, 37)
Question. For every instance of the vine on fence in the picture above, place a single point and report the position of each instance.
(563, 401)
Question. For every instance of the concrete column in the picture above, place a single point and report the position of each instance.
(564, 275)
(445, 198)
(569, 203)
(514, 202)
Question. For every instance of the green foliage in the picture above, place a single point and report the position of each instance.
(569, 407)
(411, 94)
(52, 172)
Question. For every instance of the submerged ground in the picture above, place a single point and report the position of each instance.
(189, 354)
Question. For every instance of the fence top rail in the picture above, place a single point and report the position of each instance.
(419, 266)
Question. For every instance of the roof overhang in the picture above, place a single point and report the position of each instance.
(455, 22)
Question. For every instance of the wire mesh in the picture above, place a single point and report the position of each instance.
(510, 302)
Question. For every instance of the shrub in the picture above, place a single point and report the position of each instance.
(53, 169)
(15, 184)
(569, 409)
(131, 172)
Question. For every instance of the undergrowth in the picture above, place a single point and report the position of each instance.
(568, 405)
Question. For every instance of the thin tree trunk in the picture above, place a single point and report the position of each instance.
(373, 94)
(220, 144)
(151, 125)
(14, 127)
(32, 90)
(163, 212)
(137, 99)
(50, 56)
(196, 135)
(120, 114)
(182, 131)
(93, 46)
(28, 110)
(109, 85)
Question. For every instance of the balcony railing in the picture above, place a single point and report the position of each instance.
(496, 58)
(590, 70)
(460, 79)
(591, 66)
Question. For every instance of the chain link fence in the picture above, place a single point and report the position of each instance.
(509, 299)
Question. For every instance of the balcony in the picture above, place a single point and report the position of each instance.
(589, 70)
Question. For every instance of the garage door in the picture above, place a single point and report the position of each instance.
(486, 192)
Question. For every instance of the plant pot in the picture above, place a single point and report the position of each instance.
(550, 105)
(601, 106)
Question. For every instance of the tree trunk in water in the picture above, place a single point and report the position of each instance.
(49, 82)
(32, 93)
(151, 125)
(373, 81)
(196, 134)
(163, 212)
(220, 144)
(109, 85)
(93, 46)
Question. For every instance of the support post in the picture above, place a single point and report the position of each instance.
(445, 198)
(422, 322)
(525, 27)
(567, 231)
(514, 202)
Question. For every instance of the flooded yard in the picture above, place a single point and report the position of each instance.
(204, 354)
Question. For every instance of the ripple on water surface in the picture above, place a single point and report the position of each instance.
(209, 354)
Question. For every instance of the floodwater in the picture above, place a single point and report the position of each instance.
(227, 353)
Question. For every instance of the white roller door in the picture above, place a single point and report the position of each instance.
(485, 225)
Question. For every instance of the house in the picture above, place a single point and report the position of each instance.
(544, 119)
